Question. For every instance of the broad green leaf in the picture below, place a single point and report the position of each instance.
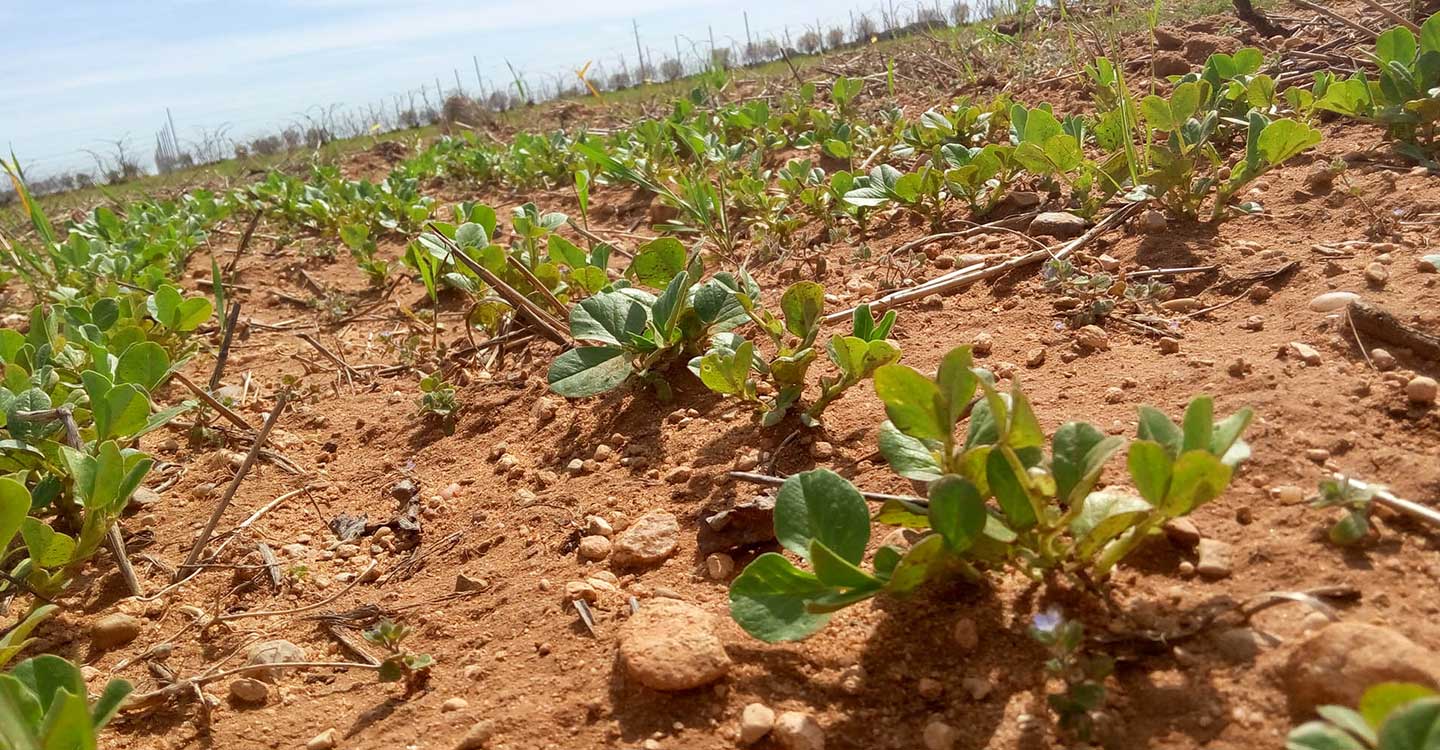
(1430, 35)
(48, 548)
(1348, 720)
(33, 399)
(1025, 431)
(1318, 735)
(589, 371)
(1154, 425)
(1395, 45)
(67, 723)
(1228, 432)
(657, 262)
(802, 304)
(164, 304)
(1150, 469)
(1079, 451)
(14, 507)
(1198, 478)
(907, 456)
(145, 364)
(1103, 516)
(1283, 139)
(610, 317)
(957, 383)
(858, 358)
(589, 278)
(1198, 425)
(18, 637)
(1381, 700)
(916, 566)
(47, 675)
(1157, 114)
(1009, 490)
(1415, 726)
(886, 558)
(957, 511)
(123, 412)
(768, 600)
(912, 401)
(109, 702)
(472, 236)
(832, 570)
(11, 341)
(904, 513)
(727, 372)
(820, 504)
(564, 251)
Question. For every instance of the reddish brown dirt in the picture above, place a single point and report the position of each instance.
(521, 659)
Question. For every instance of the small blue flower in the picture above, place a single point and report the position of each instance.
(1049, 620)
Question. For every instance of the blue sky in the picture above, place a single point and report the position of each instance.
(78, 73)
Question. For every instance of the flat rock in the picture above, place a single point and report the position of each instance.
(248, 690)
(1338, 662)
(323, 741)
(1332, 301)
(650, 539)
(114, 630)
(469, 583)
(1182, 533)
(1305, 352)
(1058, 224)
(1214, 559)
(478, 735)
(670, 645)
(273, 652)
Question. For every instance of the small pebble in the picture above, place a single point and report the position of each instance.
(756, 721)
(719, 566)
(941, 736)
(798, 731)
(324, 741)
(1421, 390)
(1332, 301)
(594, 548)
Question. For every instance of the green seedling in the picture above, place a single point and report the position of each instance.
(1405, 98)
(44, 705)
(401, 665)
(734, 367)
(437, 400)
(1356, 500)
(995, 499)
(1083, 674)
(636, 333)
(1391, 716)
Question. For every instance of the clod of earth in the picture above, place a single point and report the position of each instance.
(1336, 664)
(651, 539)
(273, 652)
(670, 645)
(114, 630)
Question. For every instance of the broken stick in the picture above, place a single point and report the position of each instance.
(981, 272)
(1378, 323)
(204, 538)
